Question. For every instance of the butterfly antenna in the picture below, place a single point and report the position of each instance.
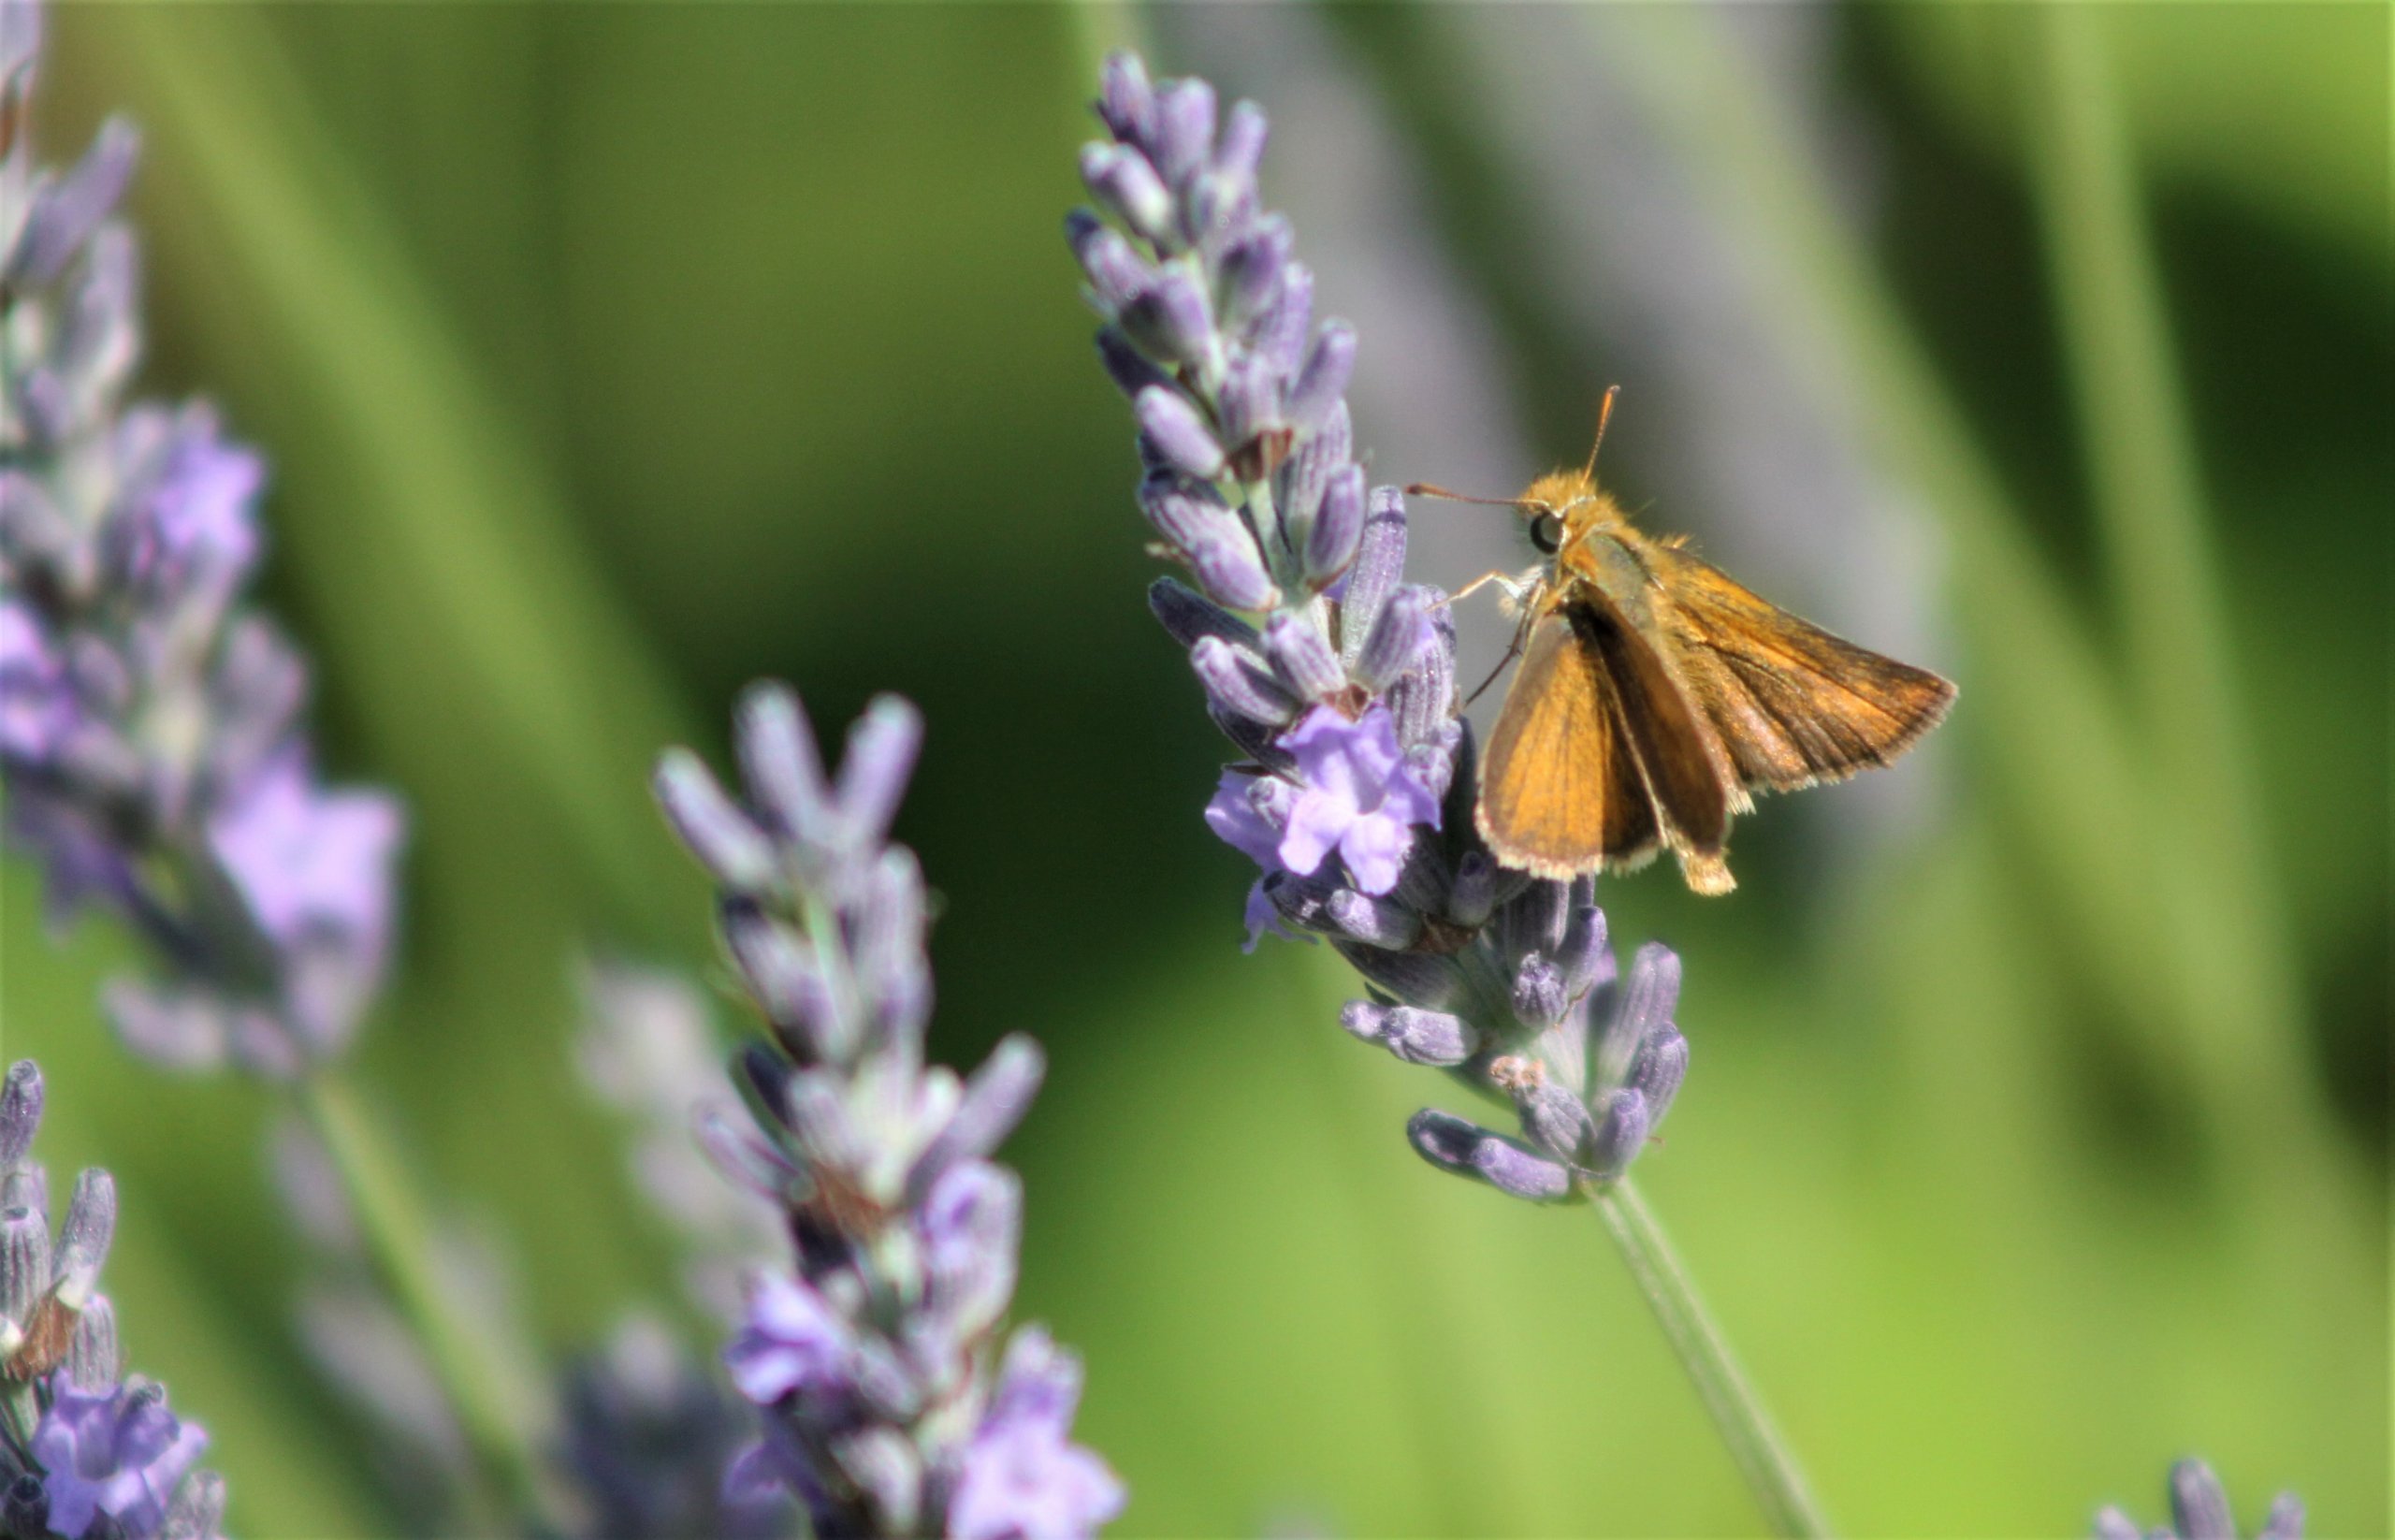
(1424, 489)
(1604, 415)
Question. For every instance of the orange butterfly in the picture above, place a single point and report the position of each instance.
(1656, 694)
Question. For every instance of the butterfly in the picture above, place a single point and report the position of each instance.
(1656, 696)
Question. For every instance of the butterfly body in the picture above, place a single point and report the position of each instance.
(1656, 695)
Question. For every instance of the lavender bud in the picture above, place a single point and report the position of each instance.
(84, 1239)
(734, 849)
(1373, 922)
(1553, 1119)
(1171, 318)
(24, 1264)
(1418, 979)
(775, 964)
(1418, 1037)
(94, 1361)
(1380, 557)
(782, 765)
(1121, 179)
(1647, 997)
(741, 1157)
(1534, 921)
(1241, 151)
(821, 1123)
(1466, 1149)
(1126, 102)
(1398, 638)
(197, 1511)
(994, 1100)
(1620, 1133)
(1185, 132)
(1117, 274)
(1252, 271)
(1538, 992)
(1239, 682)
(2284, 1521)
(1280, 333)
(1249, 401)
(2199, 1504)
(1188, 614)
(1423, 702)
(1259, 741)
(1473, 895)
(874, 769)
(63, 215)
(24, 1508)
(2113, 1524)
(1324, 379)
(1657, 1070)
(1179, 434)
(1189, 515)
(1131, 371)
(20, 1101)
(1337, 527)
(26, 1186)
(1230, 572)
(1304, 658)
(1219, 210)
(1583, 956)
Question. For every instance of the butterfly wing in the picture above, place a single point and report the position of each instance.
(1793, 703)
(1559, 795)
(1686, 773)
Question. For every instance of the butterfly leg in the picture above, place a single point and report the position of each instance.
(1514, 650)
(1506, 585)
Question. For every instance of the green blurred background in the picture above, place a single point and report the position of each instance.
(611, 355)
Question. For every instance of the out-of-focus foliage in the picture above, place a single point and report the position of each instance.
(609, 356)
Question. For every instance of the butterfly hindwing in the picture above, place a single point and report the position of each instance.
(1793, 703)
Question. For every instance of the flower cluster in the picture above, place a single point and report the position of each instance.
(1334, 677)
(873, 1357)
(151, 737)
(84, 1448)
(2200, 1511)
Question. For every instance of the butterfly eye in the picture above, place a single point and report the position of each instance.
(1546, 533)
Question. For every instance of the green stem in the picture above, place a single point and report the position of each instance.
(398, 1230)
(2150, 507)
(1755, 1442)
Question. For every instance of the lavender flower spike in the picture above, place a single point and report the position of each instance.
(2200, 1511)
(151, 739)
(872, 1356)
(1354, 792)
(83, 1445)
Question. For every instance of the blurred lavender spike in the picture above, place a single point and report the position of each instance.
(90, 1451)
(2200, 1511)
(151, 743)
(870, 1354)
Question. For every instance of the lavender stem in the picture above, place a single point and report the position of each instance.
(1755, 1442)
(392, 1218)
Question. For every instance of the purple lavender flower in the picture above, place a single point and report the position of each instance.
(117, 1451)
(1360, 797)
(2200, 1511)
(151, 743)
(790, 1341)
(869, 1360)
(91, 1446)
(1334, 677)
(1020, 1477)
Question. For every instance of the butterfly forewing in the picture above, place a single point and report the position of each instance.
(1559, 793)
(1793, 703)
